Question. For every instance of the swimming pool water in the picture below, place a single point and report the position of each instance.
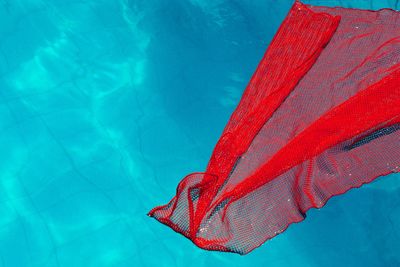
(106, 105)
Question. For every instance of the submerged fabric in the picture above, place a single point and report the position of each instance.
(320, 115)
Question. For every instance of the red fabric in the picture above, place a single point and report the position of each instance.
(320, 115)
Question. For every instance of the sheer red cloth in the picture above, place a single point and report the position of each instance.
(320, 115)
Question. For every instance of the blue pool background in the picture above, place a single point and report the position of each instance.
(106, 105)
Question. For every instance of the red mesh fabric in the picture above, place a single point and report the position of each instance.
(320, 115)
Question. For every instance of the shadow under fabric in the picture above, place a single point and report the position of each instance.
(320, 115)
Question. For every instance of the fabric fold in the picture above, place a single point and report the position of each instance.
(319, 116)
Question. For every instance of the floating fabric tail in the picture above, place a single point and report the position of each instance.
(320, 116)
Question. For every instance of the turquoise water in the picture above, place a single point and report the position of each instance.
(106, 105)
